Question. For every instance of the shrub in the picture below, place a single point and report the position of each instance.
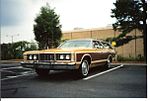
(130, 58)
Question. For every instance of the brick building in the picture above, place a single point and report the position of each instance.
(132, 48)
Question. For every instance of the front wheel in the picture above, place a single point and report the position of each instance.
(84, 69)
(42, 72)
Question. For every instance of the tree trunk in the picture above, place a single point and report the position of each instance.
(145, 41)
(145, 28)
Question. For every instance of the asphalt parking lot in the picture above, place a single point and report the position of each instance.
(128, 81)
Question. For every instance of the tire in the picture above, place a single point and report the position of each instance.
(108, 63)
(84, 69)
(42, 72)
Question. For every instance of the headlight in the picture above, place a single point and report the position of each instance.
(67, 57)
(64, 56)
(61, 57)
(35, 57)
(30, 57)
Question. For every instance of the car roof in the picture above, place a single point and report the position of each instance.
(80, 39)
(90, 39)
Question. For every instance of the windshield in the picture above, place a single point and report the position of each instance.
(76, 44)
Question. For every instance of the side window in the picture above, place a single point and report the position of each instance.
(107, 45)
(97, 44)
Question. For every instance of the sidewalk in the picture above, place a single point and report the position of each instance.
(130, 63)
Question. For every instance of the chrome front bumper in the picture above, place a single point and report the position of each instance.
(51, 66)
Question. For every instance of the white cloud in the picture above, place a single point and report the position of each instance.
(23, 21)
(73, 13)
(85, 13)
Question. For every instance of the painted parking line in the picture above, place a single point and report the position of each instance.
(98, 74)
(12, 67)
(131, 64)
(17, 67)
(87, 78)
(12, 77)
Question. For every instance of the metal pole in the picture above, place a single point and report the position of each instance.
(12, 37)
(135, 42)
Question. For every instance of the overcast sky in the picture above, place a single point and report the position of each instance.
(17, 16)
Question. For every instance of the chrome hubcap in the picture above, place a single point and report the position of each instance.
(85, 68)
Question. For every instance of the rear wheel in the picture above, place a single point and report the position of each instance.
(84, 69)
(42, 72)
(108, 63)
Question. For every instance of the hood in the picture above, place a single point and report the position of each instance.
(57, 50)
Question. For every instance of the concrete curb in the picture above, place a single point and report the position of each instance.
(132, 64)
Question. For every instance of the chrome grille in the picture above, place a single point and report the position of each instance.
(46, 57)
(49, 56)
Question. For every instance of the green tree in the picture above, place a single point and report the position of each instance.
(6, 51)
(47, 29)
(18, 48)
(15, 50)
(130, 15)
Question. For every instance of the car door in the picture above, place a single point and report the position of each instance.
(107, 49)
(99, 53)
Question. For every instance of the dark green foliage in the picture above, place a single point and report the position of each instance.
(130, 15)
(15, 50)
(6, 51)
(47, 29)
(137, 58)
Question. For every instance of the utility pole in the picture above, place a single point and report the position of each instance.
(12, 40)
(12, 37)
(135, 42)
